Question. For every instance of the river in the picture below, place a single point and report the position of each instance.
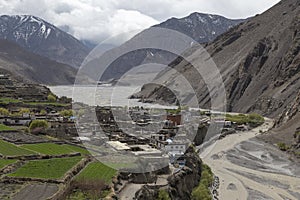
(103, 95)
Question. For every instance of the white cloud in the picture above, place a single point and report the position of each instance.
(95, 20)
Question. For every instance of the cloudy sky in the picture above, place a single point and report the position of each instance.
(96, 20)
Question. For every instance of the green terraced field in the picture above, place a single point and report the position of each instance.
(47, 104)
(4, 163)
(54, 149)
(83, 151)
(5, 128)
(8, 149)
(9, 100)
(97, 171)
(46, 169)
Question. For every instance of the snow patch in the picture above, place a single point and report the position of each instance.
(43, 28)
(48, 33)
(33, 19)
(201, 19)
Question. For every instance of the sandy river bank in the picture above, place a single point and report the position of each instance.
(251, 169)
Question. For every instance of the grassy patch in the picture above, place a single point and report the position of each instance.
(47, 104)
(9, 100)
(163, 195)
(8, 149)
(252, 119)
(46, 169)
(5, 128)
(81, 150)
(48, 148)
(54, 149)
(282, 146)
(97, 171)
(202, 192)
(4, 163)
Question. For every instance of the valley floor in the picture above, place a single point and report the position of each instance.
(251, 169)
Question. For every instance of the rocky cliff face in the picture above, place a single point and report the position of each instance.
(181, 184)
(40, 37)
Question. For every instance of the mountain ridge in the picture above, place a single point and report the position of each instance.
(33, 68)
(43, 38)
(202, 27)
(260, 65)
(145, 56)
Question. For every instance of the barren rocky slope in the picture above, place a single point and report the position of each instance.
(200, 27)
(34, 68)
(260, 63)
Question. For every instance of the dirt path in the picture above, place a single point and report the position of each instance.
(250, 169)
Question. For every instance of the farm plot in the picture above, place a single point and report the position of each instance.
(8, 190)
(8, 149)
(19, 137)
(46, 169)
(5, 128)
(81, 150)
(36, 191)
(4, 162)
(54, 149)
(97, 171)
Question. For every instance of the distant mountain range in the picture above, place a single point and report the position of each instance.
(43, 47)
(203, 28)
(41, 37)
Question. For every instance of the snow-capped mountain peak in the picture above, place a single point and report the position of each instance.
(41, 37)
(201, 27)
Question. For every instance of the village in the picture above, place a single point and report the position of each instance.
(41, 132)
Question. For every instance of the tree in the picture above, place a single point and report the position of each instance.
(163, 195)
(51, 98)
(43, 112)
(24, 111)
(38, 124)
(66, 113)
(4, 112)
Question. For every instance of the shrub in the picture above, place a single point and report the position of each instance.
(66, 113)
(282, 146)
(89, 189)
(24, 111)
(202, 192)
(4, 112)
(253, 119)
(43, 112)
(51, 98)
(43, 124)
(163, 195)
